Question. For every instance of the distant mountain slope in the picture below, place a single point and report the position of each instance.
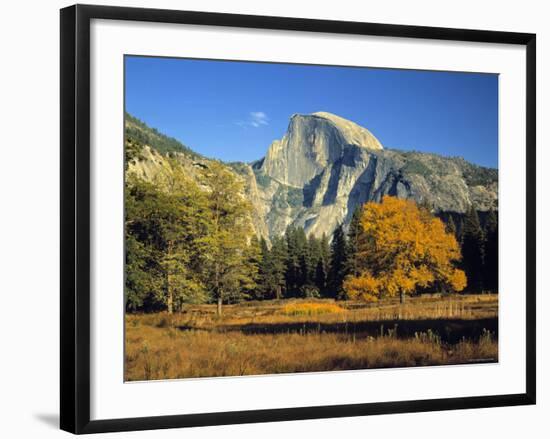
(138, 131)
(322, 169)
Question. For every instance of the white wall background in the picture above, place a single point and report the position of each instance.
(29, 186)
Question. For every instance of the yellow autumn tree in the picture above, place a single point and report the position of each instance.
(403, 248)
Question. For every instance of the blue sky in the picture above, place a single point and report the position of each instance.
(233, 110)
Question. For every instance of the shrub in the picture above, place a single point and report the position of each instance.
(309, 292)
(310, 309)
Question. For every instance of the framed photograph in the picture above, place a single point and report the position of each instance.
(268, 219)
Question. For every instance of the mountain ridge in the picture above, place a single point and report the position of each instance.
(325, 166)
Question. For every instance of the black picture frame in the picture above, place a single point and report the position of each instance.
(75, 217)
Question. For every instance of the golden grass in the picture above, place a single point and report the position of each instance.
(310, 309)
(306, 336)
(164, 354)
(463, 307)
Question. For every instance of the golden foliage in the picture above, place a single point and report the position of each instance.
(458, 280)
(364, 287)
(403, 248)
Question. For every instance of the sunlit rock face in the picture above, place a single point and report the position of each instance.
(311, 143)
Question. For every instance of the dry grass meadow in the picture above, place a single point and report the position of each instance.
(308, 336)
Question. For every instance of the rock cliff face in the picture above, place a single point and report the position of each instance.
(311, 143)
(326, 166)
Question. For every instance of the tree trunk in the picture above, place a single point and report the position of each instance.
(219, 311)
(401, 297)
(170, 299)
(169, 292)
(278, 293)
(170, 304)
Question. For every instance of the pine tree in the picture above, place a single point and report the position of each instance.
(325, 250)
(450, 226)
(264, 270)
(323, 265)
(338, 262)
(472, 251)
(490, 265)
(303, 258)
(279, 256)
(321, 277)
(292, 272)
(316, 276)
(314, 256)
(272, 269)
(355, 232)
